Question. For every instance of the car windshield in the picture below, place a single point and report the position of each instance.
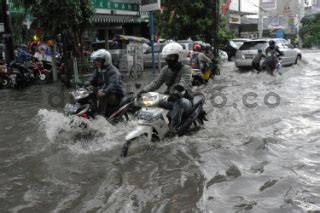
(254, 45)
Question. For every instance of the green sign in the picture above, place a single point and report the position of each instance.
(15, 9)
(107, 4)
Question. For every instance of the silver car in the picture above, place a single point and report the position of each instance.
(249, 49)
(157, 56)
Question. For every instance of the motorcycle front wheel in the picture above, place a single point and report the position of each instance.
(42, 78)
(134, 146)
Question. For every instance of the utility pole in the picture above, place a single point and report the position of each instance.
(239, 3)
(301, 15)
(7, 36)
(216, 12)
(261, 16)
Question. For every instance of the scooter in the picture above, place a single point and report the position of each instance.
(153, 121)
(199, 77)
(85, 101)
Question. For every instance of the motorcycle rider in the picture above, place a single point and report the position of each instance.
(108, 78)
(273, 52)
(198, 59)
(178, 78)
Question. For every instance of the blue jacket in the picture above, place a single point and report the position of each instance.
(109, 80)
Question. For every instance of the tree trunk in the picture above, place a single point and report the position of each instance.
(54, 63)
(8, 40)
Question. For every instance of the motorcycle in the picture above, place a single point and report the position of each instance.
(271, 63)
(4, 78)
(153, 121)
(199, 77)
(42, 74)
(85, 101)
(20, 76)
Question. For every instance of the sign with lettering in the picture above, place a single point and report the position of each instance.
(107, 4)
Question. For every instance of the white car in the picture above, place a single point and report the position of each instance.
(249, 49)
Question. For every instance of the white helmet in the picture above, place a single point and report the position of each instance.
(101, 54)
(173, 49)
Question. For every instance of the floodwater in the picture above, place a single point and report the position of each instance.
(247, 158)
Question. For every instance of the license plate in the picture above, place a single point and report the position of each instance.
(145, 115)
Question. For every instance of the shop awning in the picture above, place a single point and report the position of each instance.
(103, 18)
(132, 38)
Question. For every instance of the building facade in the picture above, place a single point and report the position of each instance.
(114, 17)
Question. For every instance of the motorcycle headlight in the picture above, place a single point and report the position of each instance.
(148, 100)
(71, 109)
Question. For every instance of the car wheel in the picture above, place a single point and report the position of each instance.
(298, 59)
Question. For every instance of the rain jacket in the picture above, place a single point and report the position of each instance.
(109, 80)
(183, 78)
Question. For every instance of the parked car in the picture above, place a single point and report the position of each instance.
(233, 46)
(249, 49)
(114, 49)
(187, 46)
(157, 55)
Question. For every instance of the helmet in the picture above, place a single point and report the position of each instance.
(173, 49)
(196, 47)
(103, 55)
(272, 43)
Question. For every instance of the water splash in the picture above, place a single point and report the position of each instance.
(99, 134)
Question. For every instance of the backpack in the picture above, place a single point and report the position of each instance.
(194, 61)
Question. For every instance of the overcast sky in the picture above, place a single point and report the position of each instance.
(246, 5)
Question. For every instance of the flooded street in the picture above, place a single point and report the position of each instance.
(253, 155)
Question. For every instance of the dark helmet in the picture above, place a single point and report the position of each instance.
(272, 43)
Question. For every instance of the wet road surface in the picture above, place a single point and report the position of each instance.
(252, 156)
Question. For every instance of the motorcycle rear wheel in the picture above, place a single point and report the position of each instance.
(5, 83)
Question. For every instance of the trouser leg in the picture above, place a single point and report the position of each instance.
(112, 103)
(180, 107)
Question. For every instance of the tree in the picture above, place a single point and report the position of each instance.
(182, 19)
(54, 17)
(310, 32)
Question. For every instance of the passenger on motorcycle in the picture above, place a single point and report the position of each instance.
(108, 79)
(199, 60)
(256, 62)
(178, 78)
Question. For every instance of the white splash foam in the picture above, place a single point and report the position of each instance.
(100, 135)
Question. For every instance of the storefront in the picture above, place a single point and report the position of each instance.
(114, 17)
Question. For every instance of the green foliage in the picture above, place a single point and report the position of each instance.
(183, 19)
(54, 17)
(19, 31)
(310, 32)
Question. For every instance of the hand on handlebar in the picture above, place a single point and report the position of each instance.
(100, 93)
(139, 94)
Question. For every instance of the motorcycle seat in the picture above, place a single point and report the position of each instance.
(126, 99)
